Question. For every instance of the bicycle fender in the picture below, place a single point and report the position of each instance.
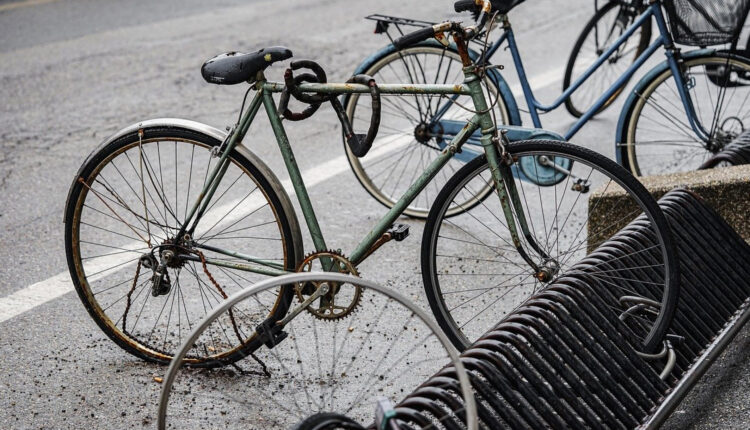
(217, 134)
(497, 78)
(640, 86)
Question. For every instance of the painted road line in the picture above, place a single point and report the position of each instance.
(21, 4)
(44, 291)
(544, 80)
(49, 289)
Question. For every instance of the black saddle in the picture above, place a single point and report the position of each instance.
(235, 67)
(504, 6)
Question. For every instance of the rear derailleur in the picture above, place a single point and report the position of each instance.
(160, 282)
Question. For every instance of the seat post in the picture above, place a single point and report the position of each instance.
(260, 79)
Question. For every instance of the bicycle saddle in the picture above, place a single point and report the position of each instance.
(234, 67)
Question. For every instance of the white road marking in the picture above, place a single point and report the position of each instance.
(49, 289)
(21, 4)
(543, 80)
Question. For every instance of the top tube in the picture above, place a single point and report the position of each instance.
(347, 88)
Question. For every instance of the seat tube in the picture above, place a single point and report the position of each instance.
(294, 174)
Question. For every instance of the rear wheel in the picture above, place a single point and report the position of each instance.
(474, 275)
(125, 208)
(408, 140)
(335, 369)
(604, 28)
(658, 138)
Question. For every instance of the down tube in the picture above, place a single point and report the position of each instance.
(432, 169)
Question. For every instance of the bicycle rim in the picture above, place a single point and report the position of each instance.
(607, 25)
(659, 138)
(406, 143)
(474, 276)
(337, 366)
(111, 229)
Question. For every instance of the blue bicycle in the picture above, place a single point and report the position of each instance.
(680, 114)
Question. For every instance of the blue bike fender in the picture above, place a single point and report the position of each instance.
(517, 134)
(640, 86)
(497, 78)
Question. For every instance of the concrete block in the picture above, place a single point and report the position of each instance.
(726, 190)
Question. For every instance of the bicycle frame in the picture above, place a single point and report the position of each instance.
(534, 106)
(264, 96)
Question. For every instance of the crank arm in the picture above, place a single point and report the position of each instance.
(546, 162)
(583, 185)
(323, 289)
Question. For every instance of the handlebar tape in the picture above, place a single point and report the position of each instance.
(414, 37)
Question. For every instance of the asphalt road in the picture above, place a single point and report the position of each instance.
(73, 72)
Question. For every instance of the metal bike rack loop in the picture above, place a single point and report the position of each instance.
(562, 359)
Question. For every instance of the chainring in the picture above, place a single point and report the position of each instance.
(327, 307)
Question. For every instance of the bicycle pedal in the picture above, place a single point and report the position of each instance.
(270, 333)
(399, 232)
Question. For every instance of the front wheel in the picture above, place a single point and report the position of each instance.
(656, 134)
(324, 367)
(474, 275)
(127, 204)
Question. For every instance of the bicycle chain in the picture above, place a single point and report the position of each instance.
(231, 314)
(130, 293)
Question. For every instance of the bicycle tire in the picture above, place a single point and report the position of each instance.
(83, 199)
(576, 109)
(655, 135)
(449, 246)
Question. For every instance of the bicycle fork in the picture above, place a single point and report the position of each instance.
(500, 163)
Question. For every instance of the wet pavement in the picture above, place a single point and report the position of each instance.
(73, 72)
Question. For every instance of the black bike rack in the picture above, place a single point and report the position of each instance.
(563, 359)
(735, 152)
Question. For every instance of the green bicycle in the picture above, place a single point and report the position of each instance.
(169, 217)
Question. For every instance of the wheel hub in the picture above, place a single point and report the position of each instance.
(168, 258)
(422, 133)
(548, 270)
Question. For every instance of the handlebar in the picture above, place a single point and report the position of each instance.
(481, 8)
(414, 37)
(468, 6)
